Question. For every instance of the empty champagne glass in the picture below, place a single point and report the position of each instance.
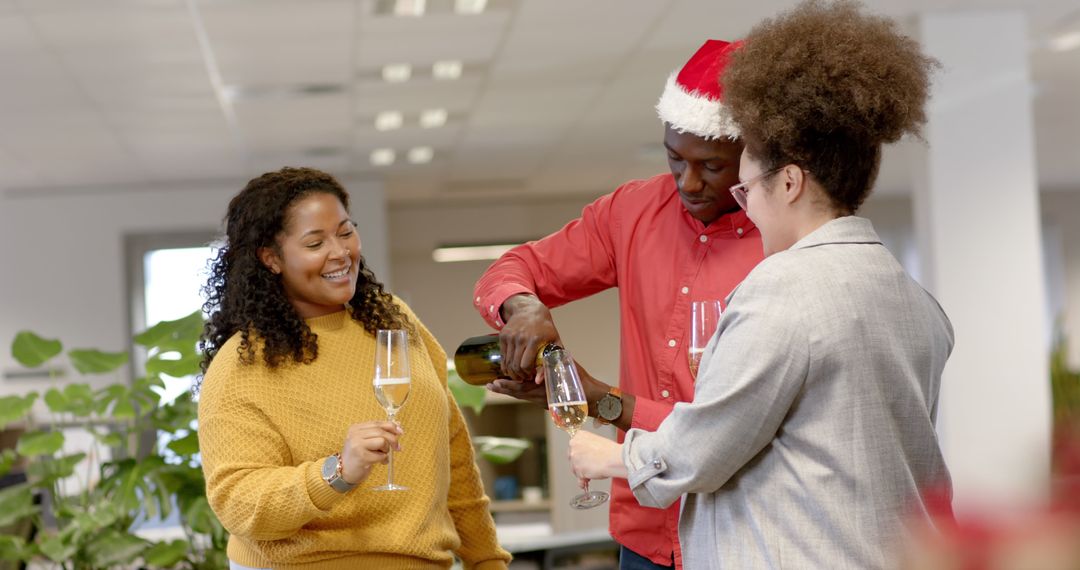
(704, 316)
(568, 407)
(391, 382)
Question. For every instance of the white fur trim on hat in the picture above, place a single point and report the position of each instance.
(690, 113)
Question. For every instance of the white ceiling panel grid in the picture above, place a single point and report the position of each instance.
(556, 96)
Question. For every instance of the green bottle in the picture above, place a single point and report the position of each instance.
(478, 360)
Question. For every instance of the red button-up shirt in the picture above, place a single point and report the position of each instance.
(642, 240)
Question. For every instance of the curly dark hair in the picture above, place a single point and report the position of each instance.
(243, 296)
(823, 86)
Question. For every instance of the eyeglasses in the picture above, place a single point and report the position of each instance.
(739, 190)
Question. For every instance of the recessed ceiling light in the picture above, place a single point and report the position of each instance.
(469, 6)
(433, 118)
(447, 69)
(409, 7)
(382, 156)
(1066, 42)
(389, 120)
(396, 72)
(421, 154)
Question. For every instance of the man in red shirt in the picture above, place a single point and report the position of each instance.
(663, 242)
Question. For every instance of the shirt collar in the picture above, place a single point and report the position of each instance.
(733, 225)
(845, 229)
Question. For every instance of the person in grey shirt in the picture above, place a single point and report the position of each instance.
(810, 439)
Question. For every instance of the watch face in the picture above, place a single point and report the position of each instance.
(329, 467)
(609, 408)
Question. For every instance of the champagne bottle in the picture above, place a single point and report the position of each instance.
(478, 360)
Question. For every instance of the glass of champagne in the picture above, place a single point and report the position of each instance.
(566, 401)
(704, 315)
(391, 384)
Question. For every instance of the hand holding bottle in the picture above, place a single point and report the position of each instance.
(529, 326)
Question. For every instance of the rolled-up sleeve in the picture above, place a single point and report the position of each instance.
(752, 372)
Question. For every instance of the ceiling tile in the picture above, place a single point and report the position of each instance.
(282, 43)
(422, 41)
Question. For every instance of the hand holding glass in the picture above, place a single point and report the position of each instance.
(566, 401)
(392, 382)
(704, 316)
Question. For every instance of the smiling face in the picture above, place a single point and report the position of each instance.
(704, 170)
(317, 255)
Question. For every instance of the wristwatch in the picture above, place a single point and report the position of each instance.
(609, 408)
(331, 473)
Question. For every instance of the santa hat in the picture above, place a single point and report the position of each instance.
(691, 102)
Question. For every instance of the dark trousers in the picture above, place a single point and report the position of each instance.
(630, 560)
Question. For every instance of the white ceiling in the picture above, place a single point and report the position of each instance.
(556, 95)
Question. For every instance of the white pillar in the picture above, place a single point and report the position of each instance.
(977, 219)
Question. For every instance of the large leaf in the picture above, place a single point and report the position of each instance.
(116, 400)
(123, 479)
(58, 548)
(123, 410)
(500, 450)
(177, 415)
(110, 439)
(114, 548)
(200, 517)
(7, 461)
(16, 503)
(166, 554)
(77, 399)
(181, 335)
(44, 473)
(187, 445)
(92, 361)
(40, 443)
(14, 408)
(98, 517)
(467, 395)
(12, 548)
(56, 401)
(179, 368)
(32, 351)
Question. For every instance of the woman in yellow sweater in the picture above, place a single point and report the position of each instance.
(290, 431)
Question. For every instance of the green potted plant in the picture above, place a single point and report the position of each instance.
(92, 526)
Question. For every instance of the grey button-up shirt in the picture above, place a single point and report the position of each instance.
(811, 432)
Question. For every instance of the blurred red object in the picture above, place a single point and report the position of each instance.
(1044, 538)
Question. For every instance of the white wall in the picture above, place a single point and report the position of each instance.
(62, 254)
(441, 293)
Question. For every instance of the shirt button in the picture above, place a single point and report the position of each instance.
(685, 290)
(703, 239)
(491, 309)
(478, 299)
(671, 343)
(665, 393)
(656, 464)
(738, 231)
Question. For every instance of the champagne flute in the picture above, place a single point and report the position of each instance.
(704, 316)
(391, 384)
(566, 401)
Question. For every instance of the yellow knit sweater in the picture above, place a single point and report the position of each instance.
(264, 435)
